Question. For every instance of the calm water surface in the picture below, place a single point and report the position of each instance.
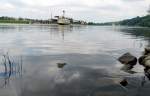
(90, 54)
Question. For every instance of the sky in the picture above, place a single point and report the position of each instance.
(88, 10)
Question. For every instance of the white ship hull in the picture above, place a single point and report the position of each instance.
(63, 21)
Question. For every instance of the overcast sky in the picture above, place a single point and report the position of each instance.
(89, 10)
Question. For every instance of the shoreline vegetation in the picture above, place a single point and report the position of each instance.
(13, 20)
(5, 19)
(137, 21)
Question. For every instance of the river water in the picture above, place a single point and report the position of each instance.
(89, 55)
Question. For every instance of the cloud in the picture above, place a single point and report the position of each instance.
(90, 10)
(42, 3)
(6, 7)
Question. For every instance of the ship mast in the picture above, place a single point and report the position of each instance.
(63, 13)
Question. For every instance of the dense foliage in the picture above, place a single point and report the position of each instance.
(138, 21)
(14, 20)
(5, 19)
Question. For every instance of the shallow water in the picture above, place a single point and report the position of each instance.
(90, 54)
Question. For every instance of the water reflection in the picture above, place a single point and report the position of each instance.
(54, 39)
(140, 32)
(72, 60)
(9, 68)
(62, 29)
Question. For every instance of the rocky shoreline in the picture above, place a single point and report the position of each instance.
(129, 61)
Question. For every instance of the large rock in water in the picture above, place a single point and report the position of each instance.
(145, 60)
(141, 60)
(147, 51)
(127, 58)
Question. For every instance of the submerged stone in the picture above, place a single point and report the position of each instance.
(61, 65)
(127, 58)
(127, 67)
(147, 72)
(110, 93)
(124, 82)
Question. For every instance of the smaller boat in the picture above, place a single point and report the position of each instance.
(62, 20)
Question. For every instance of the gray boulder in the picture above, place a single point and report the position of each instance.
(128, 59)
(147, 51)
(141, 60)
(145, 61)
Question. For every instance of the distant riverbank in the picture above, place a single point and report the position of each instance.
(137, 21)
(13, 20)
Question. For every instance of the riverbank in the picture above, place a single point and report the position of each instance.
(137, 21)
